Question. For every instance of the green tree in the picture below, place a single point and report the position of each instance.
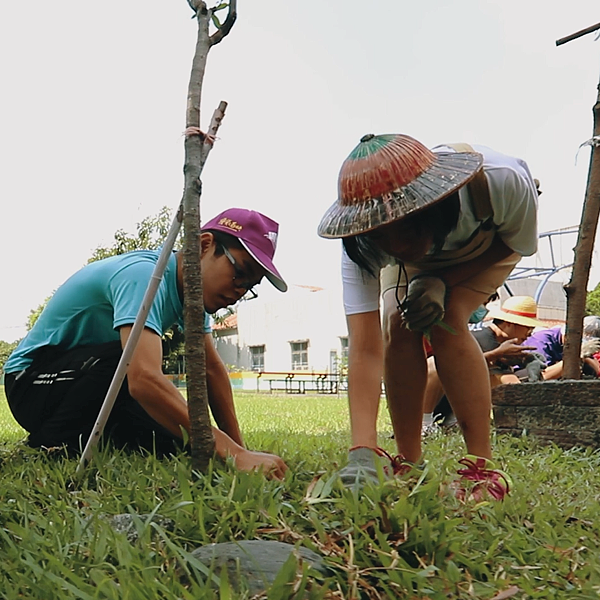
(222, 315)
(6, 349)
(150, 234)
(173, 344)
(592, 303)
(34, 314)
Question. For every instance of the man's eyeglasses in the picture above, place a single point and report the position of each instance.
(240, 281)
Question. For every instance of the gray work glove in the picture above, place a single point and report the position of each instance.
(424, 302)
(589, 347)
(535, 364)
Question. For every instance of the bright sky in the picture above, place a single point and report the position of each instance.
(94, 105)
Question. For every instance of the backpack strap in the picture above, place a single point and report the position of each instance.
(478, 187)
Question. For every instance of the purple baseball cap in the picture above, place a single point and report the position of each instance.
(257, 233)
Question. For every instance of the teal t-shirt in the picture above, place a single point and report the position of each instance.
(103, 296)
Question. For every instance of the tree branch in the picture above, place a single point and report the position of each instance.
(578, 34)
(215, 123)
(196, 5)
(225, 28)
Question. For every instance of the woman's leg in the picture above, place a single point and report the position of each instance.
(365, 369)
(434, 390)
(463, 370)
(405, 376)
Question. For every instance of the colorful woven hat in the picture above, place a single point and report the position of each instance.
(387, 177)
(521, 310)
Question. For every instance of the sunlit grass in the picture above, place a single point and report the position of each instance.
(398, 540)
(10, 430)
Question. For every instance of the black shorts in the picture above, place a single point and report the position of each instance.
(58, 397)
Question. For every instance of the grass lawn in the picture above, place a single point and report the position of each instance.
(399, 540)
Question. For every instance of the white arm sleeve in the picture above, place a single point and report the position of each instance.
(360, 290)
(514, 201)
(513, 196)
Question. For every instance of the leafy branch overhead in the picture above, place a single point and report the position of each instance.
(223, 27)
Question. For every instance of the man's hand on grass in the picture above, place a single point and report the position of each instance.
(270, 464)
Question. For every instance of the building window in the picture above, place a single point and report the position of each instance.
(299, 355)
(257, 358)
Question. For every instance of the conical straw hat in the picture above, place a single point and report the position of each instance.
(388, 177)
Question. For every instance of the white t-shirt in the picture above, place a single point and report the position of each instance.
(513, 197)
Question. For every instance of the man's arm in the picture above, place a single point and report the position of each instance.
(148, 385)
(220, 395)
(163, 402)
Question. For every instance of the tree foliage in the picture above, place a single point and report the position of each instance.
(6, 349)
(173, 344)
(150, 234)
(34, 313)
(223, 314)
(592, 303)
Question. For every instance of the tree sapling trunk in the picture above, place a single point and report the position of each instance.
(576, 289)
(197, 146)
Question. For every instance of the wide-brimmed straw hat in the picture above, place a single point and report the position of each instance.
(388, 177)
(521, 310)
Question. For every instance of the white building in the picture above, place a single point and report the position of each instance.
(303, 329)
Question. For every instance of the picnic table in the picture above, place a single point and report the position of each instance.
(294, 382)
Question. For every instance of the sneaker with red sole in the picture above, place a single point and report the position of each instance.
(487, 481)
(399, 465)
(368, 465)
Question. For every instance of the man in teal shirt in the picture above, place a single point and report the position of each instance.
(57, 378)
